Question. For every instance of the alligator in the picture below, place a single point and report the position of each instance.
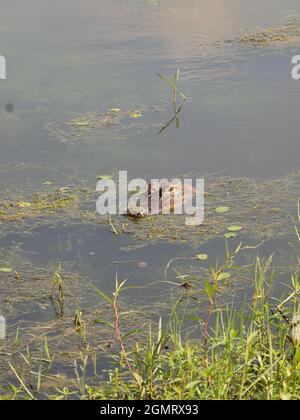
(162, 197)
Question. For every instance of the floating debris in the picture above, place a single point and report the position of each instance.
(286, 33)
(83, 125)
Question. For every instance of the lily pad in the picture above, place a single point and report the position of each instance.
(115, 110)
(5, 270)
(234, 228)
(202, 257)
(222, 209)
(135, 114)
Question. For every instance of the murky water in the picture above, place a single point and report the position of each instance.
(66, 58)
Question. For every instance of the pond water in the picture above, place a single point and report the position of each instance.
(72, 57)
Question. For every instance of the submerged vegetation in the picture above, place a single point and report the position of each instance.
(40, 204)
(287, 32)
(247, 351)
(81, 126)
(210, 347)
(269, 211)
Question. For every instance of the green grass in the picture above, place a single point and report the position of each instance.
(244, 354)
(247, 354)
(236, 352)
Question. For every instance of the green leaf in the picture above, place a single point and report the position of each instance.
(103, 295)
(192, 384)
(210, 291)
(138, 378)
(202, 257)
(234, 228)
(5, 270)
(135, 114)
(165, 79)
(297, 356)
(224, 276)
(222, 209)
(183, 96)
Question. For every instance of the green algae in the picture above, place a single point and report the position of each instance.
(265, 210)
(26, 297)
(39, 204)
(286, 33)
(91, 125)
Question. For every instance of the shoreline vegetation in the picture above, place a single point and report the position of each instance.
(213, 350)
(248, 353)
(237, 352)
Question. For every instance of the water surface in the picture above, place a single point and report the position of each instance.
(66, 58)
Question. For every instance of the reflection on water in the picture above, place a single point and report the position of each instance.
(242, 115)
